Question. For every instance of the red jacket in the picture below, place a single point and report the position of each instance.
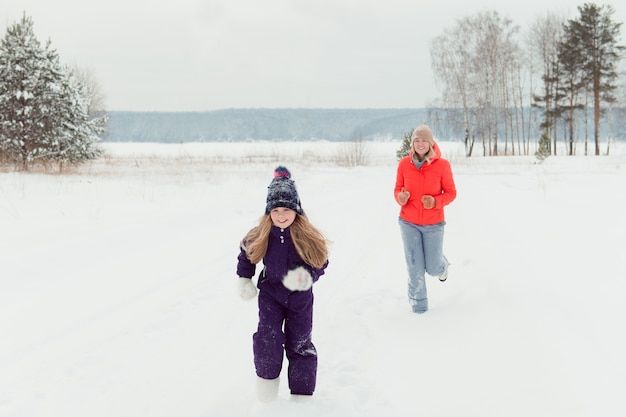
(434, 178)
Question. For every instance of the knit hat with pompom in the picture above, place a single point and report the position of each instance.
(282, 192)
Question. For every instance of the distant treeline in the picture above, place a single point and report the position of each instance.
(263, 124)
(296, 124)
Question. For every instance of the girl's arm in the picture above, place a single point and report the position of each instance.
(245, 268)
(316, 273)
(245, 271)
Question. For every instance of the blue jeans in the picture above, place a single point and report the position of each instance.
(423, 250)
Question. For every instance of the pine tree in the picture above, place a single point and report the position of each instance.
(544, 147)
(572, 82)
(43, 112)
(405, 148)
(596, 37)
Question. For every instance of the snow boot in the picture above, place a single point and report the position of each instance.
(444, 276)
(267, 389)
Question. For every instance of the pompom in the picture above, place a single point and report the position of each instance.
(281, 172)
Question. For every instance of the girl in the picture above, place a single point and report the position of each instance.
(294, 255)
(424, 185)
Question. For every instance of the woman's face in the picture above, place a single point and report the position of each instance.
(421, 146)
(282, 217)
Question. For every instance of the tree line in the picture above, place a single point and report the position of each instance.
(489, 74)
(47, 112)
(246, 124)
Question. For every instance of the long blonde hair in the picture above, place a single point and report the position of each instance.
(310, 243)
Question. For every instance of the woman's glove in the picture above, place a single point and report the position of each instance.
(246, 289)
(298, 279)
(403, 196)
(428, 201)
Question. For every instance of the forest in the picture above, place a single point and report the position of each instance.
(297, 124)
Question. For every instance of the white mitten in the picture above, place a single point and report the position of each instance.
(298, 279)
(246, 288)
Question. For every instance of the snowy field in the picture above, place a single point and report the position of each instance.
(117, 287)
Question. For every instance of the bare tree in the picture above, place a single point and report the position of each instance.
(543, 39)
(451, 65)
(92, 90)
(356, 152)
(473, 63)
(617, 123)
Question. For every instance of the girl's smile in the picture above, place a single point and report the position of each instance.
(282, 217)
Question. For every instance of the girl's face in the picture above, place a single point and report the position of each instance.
(282, 217)
(421, 146)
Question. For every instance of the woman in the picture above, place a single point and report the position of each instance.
(424, 186)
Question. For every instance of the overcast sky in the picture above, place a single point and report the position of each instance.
(194, 55)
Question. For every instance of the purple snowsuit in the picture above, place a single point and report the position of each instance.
(278, 305)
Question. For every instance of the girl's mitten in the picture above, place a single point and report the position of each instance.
(298, 279)
(246, 288)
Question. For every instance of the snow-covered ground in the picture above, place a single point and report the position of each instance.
(117, 287)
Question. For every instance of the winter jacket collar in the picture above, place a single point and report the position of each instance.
(279, 231)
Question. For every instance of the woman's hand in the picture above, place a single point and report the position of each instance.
(403, 196)
(428, 201)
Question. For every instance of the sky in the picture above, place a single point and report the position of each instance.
(118, 287)
(197, 55)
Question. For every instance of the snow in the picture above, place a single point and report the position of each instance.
(118, 287)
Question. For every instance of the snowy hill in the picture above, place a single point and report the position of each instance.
(261, 124)
(302, 124)
(117, 291)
